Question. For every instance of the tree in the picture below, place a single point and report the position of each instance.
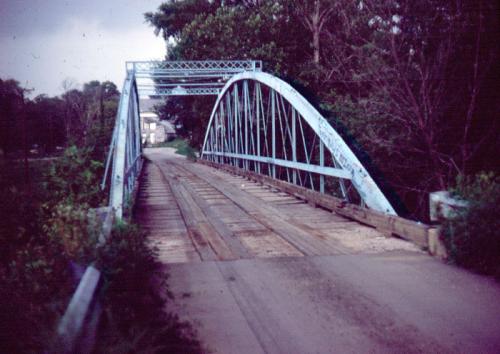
(89, 114)
(415, 103)
(46, 122)
(173, 15)
(11, 108)
(314, 15)
(413, 82)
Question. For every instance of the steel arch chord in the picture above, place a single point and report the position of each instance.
(262, 124)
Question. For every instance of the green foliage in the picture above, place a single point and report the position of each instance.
(482, 187)
(388, 71)
(45, 229)
(472, 237)
(35, 276)
(74, 179)
(79, 117)
(35, 287)
(76, 229)
(173, 16)
(181, 147)
(235, 32)
(134, 317)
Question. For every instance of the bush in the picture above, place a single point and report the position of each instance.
(74, 179)
(134, 298)
(35, 275)
(34, 292)
(48, 236)
(76, 229)
(473, 238)
(181, 147)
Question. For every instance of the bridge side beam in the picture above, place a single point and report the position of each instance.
(127, 147)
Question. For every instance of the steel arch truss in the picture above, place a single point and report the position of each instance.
(260, 123)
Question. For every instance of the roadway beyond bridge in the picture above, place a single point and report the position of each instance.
(256, 270)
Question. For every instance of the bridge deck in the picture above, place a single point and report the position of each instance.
(196, 213)
(258, 271)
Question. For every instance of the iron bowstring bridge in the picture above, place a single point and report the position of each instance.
(259, 123)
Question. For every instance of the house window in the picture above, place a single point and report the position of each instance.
(152, 126)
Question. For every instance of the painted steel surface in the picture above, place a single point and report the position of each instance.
(156, 78)
(126, 150)
(183, 78)
(368, 190)
(186, 78)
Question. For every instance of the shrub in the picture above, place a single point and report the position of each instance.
(473, 238)
(134, 298)
(74, 179)
(76, 229)
(181, 147)
(48, 235)
(35, 276)
(34, 291)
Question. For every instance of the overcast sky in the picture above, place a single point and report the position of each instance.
(43, 42)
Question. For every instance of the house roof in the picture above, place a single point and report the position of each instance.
(169, 127)
(148, 105)
(150, 118)
(149, 115)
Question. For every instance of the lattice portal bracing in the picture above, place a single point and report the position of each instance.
(185, 78)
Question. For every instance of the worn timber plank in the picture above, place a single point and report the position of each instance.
(196, 213)
(406, 229)
(159, 215)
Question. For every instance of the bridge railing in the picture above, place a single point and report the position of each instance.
(124, 157)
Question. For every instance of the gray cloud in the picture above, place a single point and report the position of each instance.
(44, 42)
(27, 17)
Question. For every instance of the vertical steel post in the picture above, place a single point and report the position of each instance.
(137, 117)
(294, 145)
(230, 126)
(245, 107)
(236, 119)
(343, 189)
(273, 130)
(322, 164)
(257, 115)
(217, 136)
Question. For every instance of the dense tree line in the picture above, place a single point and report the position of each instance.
(414, 82)
(78, 117)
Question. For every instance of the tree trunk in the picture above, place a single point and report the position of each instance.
(316, 46)
(315, 21)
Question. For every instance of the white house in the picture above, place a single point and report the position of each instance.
(154, 130)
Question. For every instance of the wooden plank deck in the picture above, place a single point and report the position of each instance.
(256, 270)
(195, 213)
